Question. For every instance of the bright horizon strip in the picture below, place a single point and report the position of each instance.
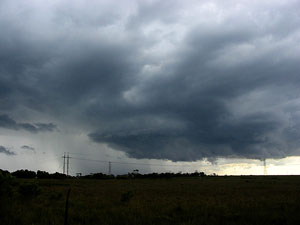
(285, 166)
(222, 166)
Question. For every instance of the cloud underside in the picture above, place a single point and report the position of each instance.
(8, 123)
(171, 80)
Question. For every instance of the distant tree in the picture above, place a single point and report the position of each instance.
(98, 176)
(136, 175)
(24, 174)
(4, 173)
(122, 177)
(5, 183)
(58, 175)
(202, 174)
(42, 175)
(136, 171)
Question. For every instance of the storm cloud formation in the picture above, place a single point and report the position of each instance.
(157, 79)
(9, 123)
(6, 151)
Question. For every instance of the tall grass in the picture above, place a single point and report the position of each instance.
(206, 200)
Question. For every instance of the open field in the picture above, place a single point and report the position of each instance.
(203, 200)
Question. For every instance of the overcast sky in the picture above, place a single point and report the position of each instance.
(148, 81)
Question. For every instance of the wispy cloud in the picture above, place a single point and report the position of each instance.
(6, 151)
(26, 147)
(9, 123)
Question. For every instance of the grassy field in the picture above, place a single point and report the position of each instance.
(206, 200)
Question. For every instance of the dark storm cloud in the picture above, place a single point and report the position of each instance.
(9, 123)
(158, 80)
(200, 93)
(6, 151)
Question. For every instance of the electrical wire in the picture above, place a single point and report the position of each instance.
(129, 163)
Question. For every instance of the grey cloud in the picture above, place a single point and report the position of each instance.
(9, 123)
(149, 12)
(201, 96)
(6, 151)
(26, 147)
(161, 81)
(45, 127)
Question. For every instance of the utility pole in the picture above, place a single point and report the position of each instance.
(109, 168)
(68, 157)
(64, 157)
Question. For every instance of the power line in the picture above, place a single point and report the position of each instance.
(94, 160)
(77, 153)
(129, 163)
(47, 160)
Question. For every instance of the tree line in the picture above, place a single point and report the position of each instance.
(133, 175)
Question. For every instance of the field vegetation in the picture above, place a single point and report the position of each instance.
(177, 200)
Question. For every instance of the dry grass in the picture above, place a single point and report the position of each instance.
(207, 200)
